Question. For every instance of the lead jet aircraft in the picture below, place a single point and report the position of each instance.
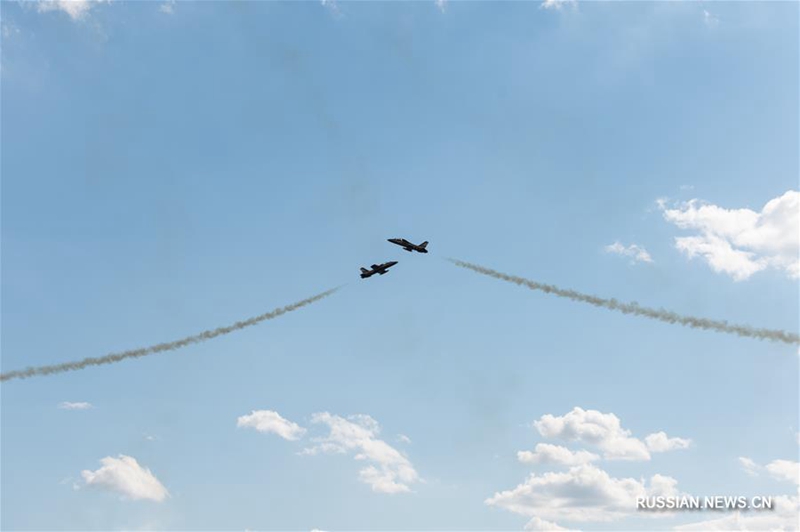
(380, 269)
(408, 246)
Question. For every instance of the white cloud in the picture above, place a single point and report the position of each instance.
(778, 469)
(271, 421)
(558, 4)
(66, 405)
(783, 517)
(721, 255)
(784, 470)
(403, 438)
(442, 5)
(167, 7)
(785, 511)
(749, 466)
(545, 453)
(332, 6)
(76, 9)
(741, 242)
(659, 442)
(596, 428)
(125, 476)
(605, 431)
(8, 30)
(390, 471)
(710, 19)
(69, 480)
(584, 493)
(635, 252)
(537, 523)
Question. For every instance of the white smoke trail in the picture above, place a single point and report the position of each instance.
(633, 308)
(158, 348)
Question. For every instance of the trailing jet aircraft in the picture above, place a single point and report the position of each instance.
(380, 269)
(408, 246)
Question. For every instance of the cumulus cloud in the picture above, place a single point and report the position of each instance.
(584, 493)
(741, 242)
(66, 405)
(332, 6)
(786, 508)
(710, 19)
(558, 4)
(594, 427)
(784, 470)
(749, 466)
(125, 476)
(388, 472)
(605, 431)
(635, 252)
(270, 421)
(545, 453)
(537, 523)
(76, 9)
(8, 30)
(167, 7)
(659, 442)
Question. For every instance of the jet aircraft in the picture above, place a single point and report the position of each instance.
(408, 246)
(380, 269)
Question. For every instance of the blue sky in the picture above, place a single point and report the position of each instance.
(173, 167)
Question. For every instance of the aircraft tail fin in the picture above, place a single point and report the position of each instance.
(364, 270)
(424, 245)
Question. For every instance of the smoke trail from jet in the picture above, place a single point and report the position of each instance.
(158, 348)
(633, 308)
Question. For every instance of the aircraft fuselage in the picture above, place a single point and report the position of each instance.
(380, 269)
(409, 246)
